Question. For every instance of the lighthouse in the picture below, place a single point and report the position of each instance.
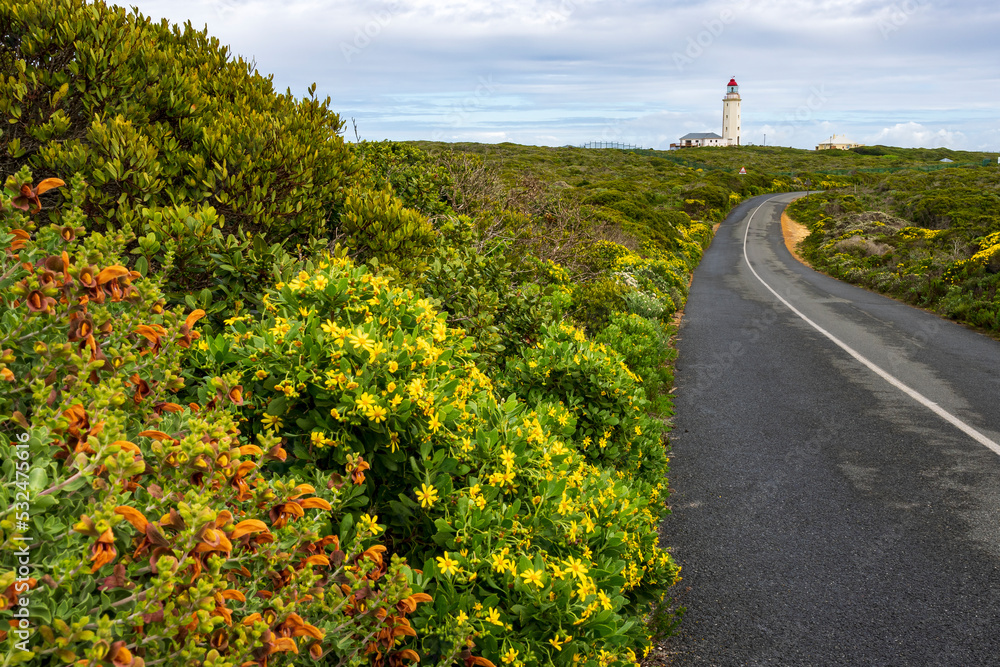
(731, 114)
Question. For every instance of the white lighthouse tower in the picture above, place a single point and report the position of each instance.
(731, 114)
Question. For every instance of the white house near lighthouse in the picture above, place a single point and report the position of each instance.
(731, 124)
(731, 114)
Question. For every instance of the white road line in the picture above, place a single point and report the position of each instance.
(912, 393)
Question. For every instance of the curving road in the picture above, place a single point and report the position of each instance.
(835, 468)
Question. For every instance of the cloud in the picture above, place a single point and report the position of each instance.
(565, 71)
(915, 135)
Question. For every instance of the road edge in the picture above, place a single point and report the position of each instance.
(794, 233)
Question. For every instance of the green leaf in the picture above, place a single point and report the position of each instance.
(277, 406)
(38, 479)
(346, 523)
(443, 526)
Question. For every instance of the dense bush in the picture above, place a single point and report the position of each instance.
(500, 300)
(408, 171)
(534, 543)
(606, 399)
(152, 115)
(925, 237)
(644, 344)
(150, 531)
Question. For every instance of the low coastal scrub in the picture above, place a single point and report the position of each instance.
(268, 397)
(356, 425)
(932, 239)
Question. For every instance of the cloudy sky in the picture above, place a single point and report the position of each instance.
(645, 72)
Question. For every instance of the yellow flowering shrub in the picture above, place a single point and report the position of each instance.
(652, 282)
(533, 549)
(989, 249)
(605, 397)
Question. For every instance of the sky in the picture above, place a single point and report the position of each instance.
(911, 73)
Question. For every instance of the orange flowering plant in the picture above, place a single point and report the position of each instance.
(145, 531)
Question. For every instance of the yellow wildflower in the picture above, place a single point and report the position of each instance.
(377, 413)
(434, 424)
(369, 524)
(446, 564)
(360, 341)
(427, 495)
(365, 401)
(557, 643)
(531, 576)
(576, 567)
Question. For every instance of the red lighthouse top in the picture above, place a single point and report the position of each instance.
(732, 82)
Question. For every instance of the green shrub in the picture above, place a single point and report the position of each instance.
(500, 304)
(409, 172)
(644, 343)
(380, 229)
(595, 302)
(613, 427)
(529, 550)
(152, 115)
(148, 531)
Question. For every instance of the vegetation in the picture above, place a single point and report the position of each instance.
(265, 393)
(930, 238)
(268, 394)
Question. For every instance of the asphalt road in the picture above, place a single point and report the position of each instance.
(823, 515)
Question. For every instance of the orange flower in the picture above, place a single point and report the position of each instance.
(87, 276)
(133, 516)
(280, 514)
(29, 196)
(103, 551)
(247, 527)
(152, 333)
(39, 303)
(119, 655)
(111, 273)
(315, 503)
(301, 490)
(142, 389)
(21, 239)
(409, 605)
(294, 626)
(187, 336)
(283, 644)
(396, 659)
(358, 472)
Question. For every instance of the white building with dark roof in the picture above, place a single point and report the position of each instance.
(695, 139)
(731, 123)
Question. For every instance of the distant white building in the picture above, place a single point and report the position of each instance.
(696, 139)
(731, 124)
(834, 144)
